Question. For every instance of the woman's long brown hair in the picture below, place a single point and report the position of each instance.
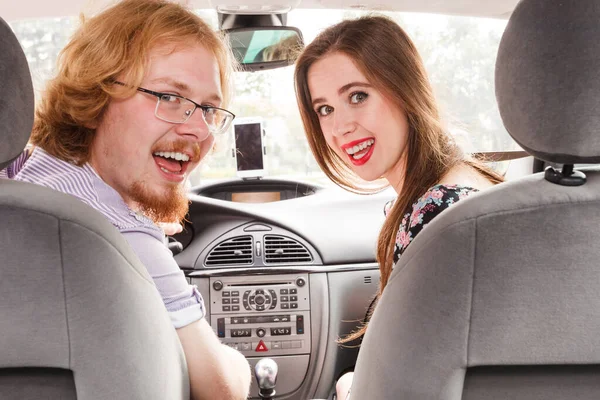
(390, 61)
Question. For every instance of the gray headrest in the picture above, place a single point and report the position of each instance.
(548, 79)
(16, 97)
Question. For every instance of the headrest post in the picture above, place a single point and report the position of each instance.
(566, 177)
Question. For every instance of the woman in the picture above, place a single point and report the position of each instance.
(369, 112)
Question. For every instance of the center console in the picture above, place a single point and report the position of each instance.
(262, 315)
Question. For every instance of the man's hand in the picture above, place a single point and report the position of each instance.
(171, 228)
(216, 371)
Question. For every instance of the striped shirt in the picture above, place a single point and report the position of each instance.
(183, 301)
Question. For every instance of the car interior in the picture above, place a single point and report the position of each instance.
(497, 300)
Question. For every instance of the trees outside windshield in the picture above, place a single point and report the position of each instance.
(458, 52)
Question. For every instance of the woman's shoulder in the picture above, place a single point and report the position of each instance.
(436, 199)
(444, 190)
(438, 196)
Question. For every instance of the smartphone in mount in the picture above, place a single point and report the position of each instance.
(249, 149)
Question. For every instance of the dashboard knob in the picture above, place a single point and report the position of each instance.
(300, 282)
(260, 300)
(217, 285)
(260, 332)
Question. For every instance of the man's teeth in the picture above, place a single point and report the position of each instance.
(173, 155)
(359, 147)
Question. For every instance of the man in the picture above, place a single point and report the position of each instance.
(132, 111)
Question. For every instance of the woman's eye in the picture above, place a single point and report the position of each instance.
(358, 97)
(324, 110)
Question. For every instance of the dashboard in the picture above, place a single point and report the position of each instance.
(285, 268)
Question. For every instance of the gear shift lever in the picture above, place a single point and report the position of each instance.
(265, 371)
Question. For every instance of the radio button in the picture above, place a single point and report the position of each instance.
(236, 320)
(292, 298)
(247, 307)
(293, 291)
(221, 327)
(235, 301)
(260, 308)
(251, 300)
(294, 305)
(234, 293)
(225, 294)
(261, 332)
(246, 346)
(259, 291)
(284, 298)
(275, 345)
(226, 301)
(283, 291)
(241, 333)
(226, 308)
(285, 306)
(299, 324)
(281, 331)
(285, 318)
(235, 308)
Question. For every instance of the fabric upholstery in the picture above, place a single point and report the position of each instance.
(547, 80)
(16, 101)
(533, 382)
(36, 384)
(80, 316)
(506, 277)
(498, 297)
(76, 297)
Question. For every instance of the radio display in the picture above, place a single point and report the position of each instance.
(255, 197)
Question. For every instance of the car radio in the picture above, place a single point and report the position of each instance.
(262, 315)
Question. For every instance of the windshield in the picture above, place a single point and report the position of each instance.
(459, 54)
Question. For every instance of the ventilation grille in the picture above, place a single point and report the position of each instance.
(234, 251)
(283, 250)
(367, 279)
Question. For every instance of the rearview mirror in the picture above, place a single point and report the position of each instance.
(262, 48)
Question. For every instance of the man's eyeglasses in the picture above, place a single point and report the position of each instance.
(178, 109)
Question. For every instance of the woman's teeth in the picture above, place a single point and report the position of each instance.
(359, 147)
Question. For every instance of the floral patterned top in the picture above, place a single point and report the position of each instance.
(435, 200)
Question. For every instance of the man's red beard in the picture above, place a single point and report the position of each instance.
(171, 205)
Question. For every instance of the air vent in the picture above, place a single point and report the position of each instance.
(283, 250)
(231, 252)
(367, 279)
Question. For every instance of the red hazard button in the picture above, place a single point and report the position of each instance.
(261, 346)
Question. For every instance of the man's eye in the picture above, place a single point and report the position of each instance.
(169, 98)
(358, 97)
(324, 110)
